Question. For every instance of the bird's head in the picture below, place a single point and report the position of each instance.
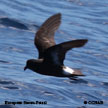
(32, 64)
(28, 64)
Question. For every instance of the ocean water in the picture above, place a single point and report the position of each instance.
(81, 19)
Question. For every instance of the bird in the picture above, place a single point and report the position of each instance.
(51, 57)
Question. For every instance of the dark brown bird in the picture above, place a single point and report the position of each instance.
(51, 56)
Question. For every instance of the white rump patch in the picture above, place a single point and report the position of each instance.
(67, 70)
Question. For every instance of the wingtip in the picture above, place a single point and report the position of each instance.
(81, 42)
(85, 40)
(58, 14)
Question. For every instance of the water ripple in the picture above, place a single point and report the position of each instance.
(12, 23)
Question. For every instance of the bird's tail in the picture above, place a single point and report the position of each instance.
(77, 72)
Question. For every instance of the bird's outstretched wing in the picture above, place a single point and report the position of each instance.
(44, 37)
(56, 54)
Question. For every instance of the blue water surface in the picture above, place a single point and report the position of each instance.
(81, 19)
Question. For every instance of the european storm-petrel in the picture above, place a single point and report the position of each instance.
(52, 55)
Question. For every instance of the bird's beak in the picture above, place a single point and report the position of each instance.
(25, 68)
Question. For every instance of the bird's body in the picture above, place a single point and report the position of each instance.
(52, 55)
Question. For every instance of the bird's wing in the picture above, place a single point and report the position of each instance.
(56, 54)
(44, 37)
